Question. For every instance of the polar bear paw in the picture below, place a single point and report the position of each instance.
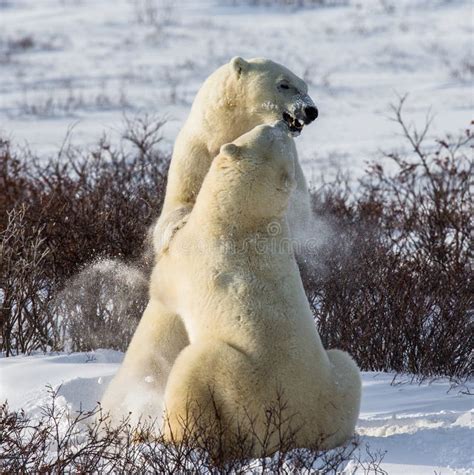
(167, 226)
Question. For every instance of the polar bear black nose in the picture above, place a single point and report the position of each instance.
(311, 114)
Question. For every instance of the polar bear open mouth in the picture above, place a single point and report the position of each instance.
(295, 125)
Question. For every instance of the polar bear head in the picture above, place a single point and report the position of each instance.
(255, 174)
(245, 93)
(271, 92)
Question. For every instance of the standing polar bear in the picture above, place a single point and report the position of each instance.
(231, 274)
(236, 98)
(232, 101)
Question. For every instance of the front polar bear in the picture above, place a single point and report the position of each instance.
(236, 98)
(231, 274)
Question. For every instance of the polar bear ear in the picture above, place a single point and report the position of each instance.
(230, 150)
(239, 65)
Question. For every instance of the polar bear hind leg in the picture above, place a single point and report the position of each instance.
(139, 385)
(345, 399)
(204, 390)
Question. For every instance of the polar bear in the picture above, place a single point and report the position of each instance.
(230, 272)
(233, 100)
(136, 392)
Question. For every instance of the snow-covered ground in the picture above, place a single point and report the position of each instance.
(86, 62)
(423, 428)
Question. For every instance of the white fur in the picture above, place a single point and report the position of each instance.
(139, 385)
(234, 280)
(232, 101)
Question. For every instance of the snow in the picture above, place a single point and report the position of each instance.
(83, 377)
(88, 62)
(422, 427)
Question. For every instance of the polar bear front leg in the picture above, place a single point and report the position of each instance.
(189, 165)
(166, 227)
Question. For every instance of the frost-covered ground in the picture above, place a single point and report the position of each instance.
(424, 428)
(85, 62)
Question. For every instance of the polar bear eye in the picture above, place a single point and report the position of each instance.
(284, 86)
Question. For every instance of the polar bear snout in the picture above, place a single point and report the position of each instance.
(302, 115)
(311, 113)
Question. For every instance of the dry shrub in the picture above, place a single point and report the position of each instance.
(397, 288)
(25, 291)
(59, 441)
(57, 215)
(393, 286)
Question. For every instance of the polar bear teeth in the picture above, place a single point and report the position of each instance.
(294, 124)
